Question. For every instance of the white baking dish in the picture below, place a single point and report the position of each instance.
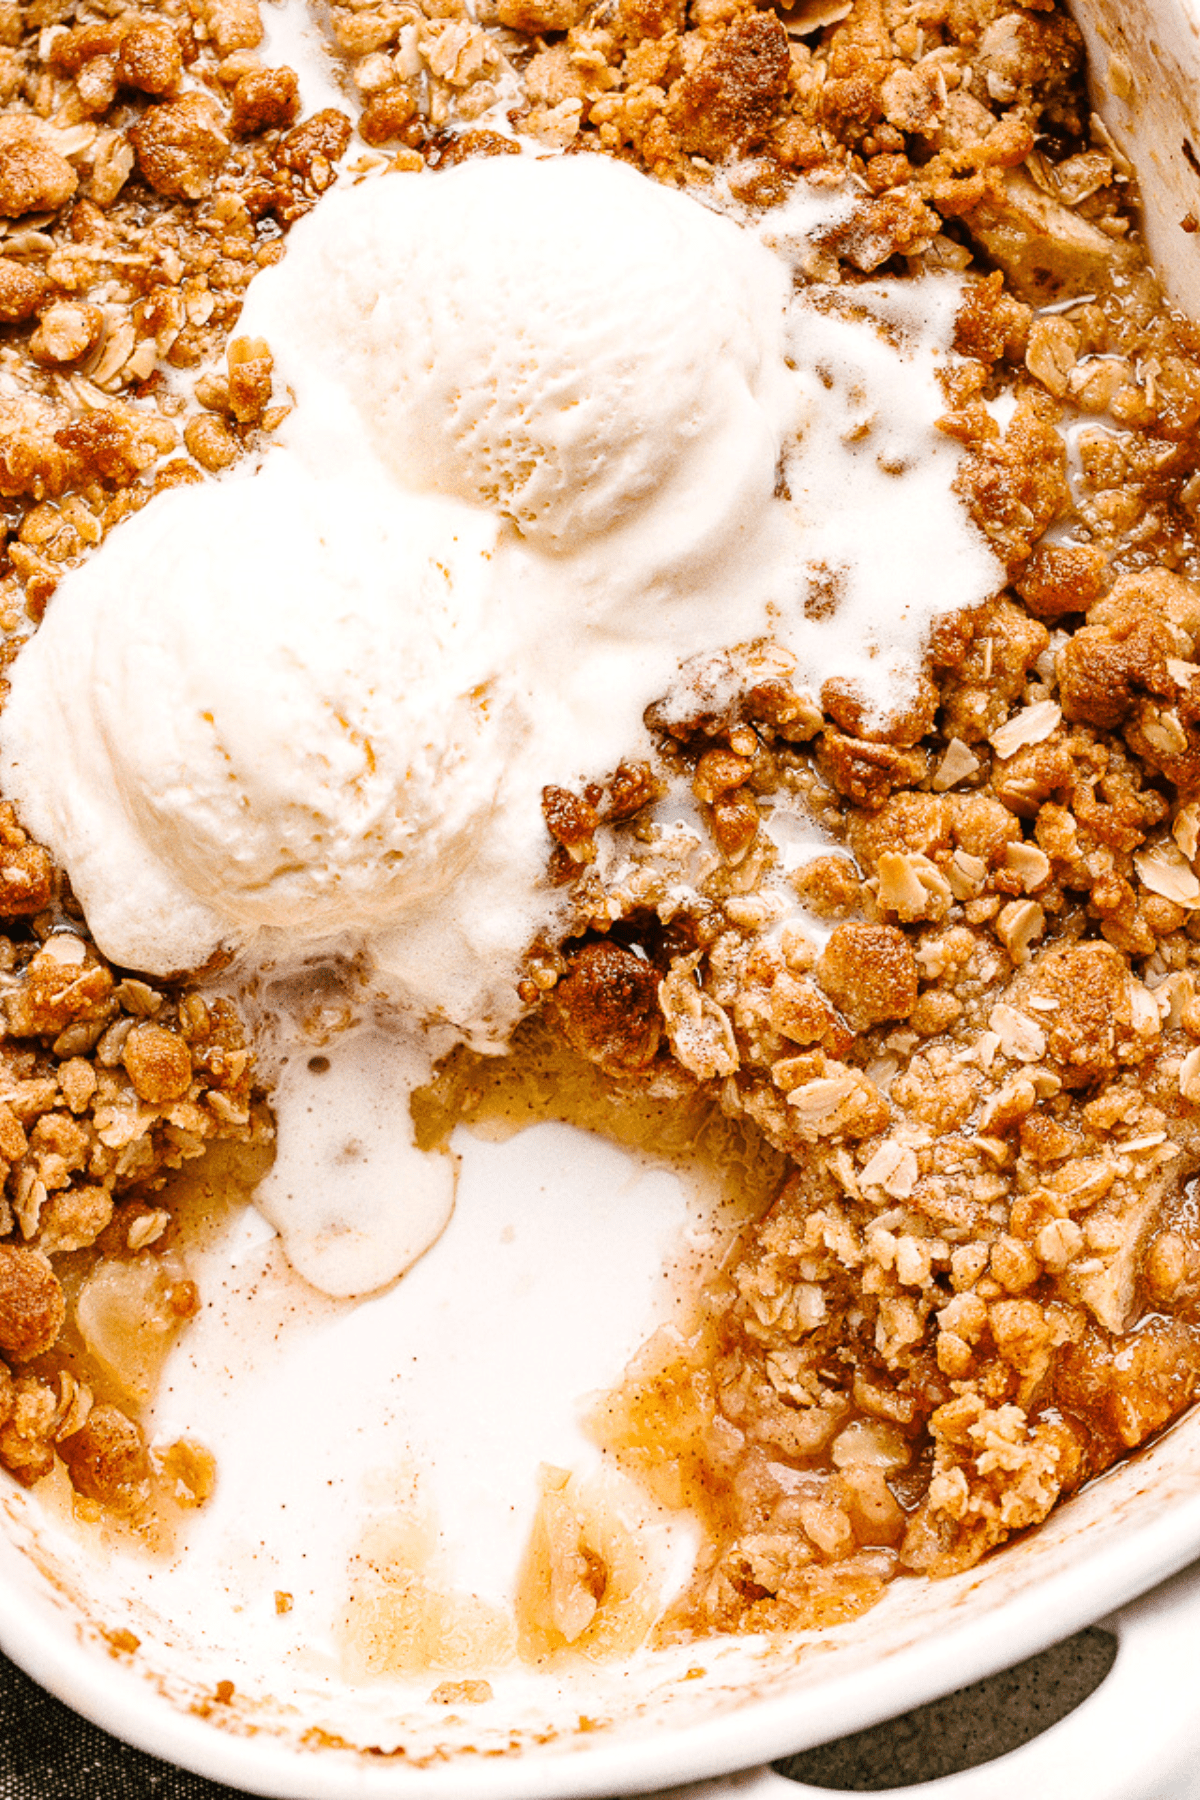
(293, 1729)
(648, 1726)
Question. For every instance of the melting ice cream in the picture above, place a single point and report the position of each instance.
(556, 429)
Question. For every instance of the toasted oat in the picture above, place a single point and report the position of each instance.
(1185, 829)
(1018, 925)
(893, 1168)
(1166, 871)
(958, 764)
(1032, 725)
(1029, 863)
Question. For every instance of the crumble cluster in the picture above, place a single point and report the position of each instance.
(106, 1085)
(149, 164)
(973, 1023)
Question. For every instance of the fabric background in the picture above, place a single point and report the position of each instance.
(47, 1753)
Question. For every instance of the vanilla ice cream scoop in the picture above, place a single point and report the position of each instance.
(553, 339)
(323, 700)
(271, 703)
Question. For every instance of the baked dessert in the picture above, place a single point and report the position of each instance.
(968, 1025)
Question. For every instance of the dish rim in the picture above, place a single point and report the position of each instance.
(51, 1648)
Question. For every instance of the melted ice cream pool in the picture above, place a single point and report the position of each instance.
(556, 429)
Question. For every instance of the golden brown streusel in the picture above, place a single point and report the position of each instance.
(979, 1284)
(106, 1085)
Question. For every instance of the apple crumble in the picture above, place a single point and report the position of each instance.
(969, 1022)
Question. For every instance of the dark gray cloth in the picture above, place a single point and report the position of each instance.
(972, 1726)
(48, 1753)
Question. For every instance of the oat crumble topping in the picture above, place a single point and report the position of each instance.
(977, 1285)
